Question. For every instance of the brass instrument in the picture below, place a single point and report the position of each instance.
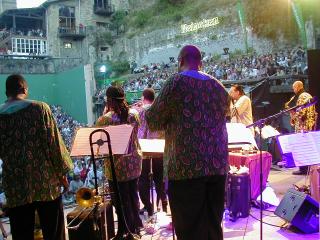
(85, 197)
(287, 104)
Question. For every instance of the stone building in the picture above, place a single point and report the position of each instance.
(68, 29)
(7, 4)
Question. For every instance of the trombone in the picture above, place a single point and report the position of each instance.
(85, 197)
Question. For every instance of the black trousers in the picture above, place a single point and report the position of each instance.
(130, 202)
(144, 183)
(50, 215)
(197, 207)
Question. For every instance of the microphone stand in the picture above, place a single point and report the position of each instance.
(260, 124)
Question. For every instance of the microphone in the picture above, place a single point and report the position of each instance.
(309, 103)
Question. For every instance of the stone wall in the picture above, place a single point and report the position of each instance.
(7, 4)
(160, 44)
(38, 66)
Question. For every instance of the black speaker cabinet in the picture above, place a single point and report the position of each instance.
(300, 210)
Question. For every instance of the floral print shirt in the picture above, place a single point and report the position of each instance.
(305, 119)
(144, 131)
(191, 108)
(128, 167)
(34, 155)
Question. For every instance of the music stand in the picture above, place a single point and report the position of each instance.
(304, 147)
(260, 124)
(152, 148)
(98, 137)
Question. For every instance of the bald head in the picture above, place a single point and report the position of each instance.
(189, 58)
(297, 86)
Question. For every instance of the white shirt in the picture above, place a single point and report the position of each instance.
(241, 111)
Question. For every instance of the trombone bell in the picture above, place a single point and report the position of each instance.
(85, 197)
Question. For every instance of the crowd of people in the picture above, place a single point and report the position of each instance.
(66, 124)
(21, 32)
(251, 66)
(255, 66)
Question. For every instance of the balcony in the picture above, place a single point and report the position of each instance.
(72, 32)
(104, 10)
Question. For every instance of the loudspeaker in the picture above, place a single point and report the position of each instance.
(300, 210)
(238, 196)
(314, 77)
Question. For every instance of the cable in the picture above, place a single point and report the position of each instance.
(269, 223)
(245, 230)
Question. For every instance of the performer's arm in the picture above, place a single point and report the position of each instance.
(241, 105)
(158, 115)
(57, 151)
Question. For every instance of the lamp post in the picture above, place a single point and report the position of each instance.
(103, 70)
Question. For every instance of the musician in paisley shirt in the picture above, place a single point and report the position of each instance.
(35, 163)
(191, 108)
(305, 119)
(128, 167)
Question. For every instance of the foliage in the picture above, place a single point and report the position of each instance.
(104, 37)
(269, 18)
(167, 12)
(142, 18)
(118, 22)
(120, 67)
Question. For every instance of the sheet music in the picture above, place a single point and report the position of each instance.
(305, 147)
(316, 137)
(119, 137)
(238, 133)
(268, 132)
(152, 145)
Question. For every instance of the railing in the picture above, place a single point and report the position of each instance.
(74, 32)
(104, 10)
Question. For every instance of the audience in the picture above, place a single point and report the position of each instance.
(251, 66)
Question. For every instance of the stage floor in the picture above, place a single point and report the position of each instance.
(245, 228)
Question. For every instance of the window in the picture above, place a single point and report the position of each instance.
(103, 24)
(101, 3)
(29, 46)
(104, 49)
(67, 45)
(67, 17)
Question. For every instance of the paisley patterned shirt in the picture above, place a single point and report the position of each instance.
(191, 108)
(144, 131)
(305, 119)
(128, 167)
(34, 155)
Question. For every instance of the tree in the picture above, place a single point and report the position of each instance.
(118, 22)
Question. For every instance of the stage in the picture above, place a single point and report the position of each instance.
(280, 181)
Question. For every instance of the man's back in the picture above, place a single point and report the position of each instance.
(191, 109)
(33, 153)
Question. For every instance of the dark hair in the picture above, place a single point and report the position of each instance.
(148, 94)
(238, 88)
(116, 101)
(15, 85)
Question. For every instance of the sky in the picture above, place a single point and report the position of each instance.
(29, 3)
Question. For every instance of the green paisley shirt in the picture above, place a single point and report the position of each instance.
(191, 108)
(33, 153)
(305, 119)
(128, 167)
